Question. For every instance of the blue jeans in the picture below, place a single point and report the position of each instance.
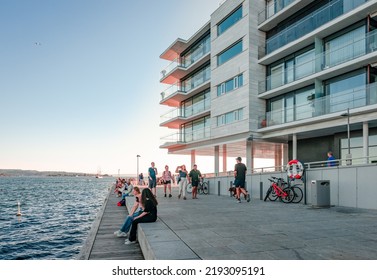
(128, 222)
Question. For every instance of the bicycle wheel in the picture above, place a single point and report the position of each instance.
(298, 194)
(290, 195)
(189, 188)
(272, 195)
(200, 189)
(205, 188)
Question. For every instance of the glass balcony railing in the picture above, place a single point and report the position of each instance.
(272, 8)
(189, 84)
(313, 107)
(186, 112)
(290, 72)
(185, 137)
(183, 62)
(311, 22)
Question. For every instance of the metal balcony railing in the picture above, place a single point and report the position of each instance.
(185, 137)
(186, 112)
(272, 8)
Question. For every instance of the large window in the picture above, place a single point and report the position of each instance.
(230, 85)
(196, 104)
(356, 148)
(292, 68)
(197, 51)
(229, 20)
(196, 130)
(229, 53)
(197, 79)
(348, 91)
(230, 117)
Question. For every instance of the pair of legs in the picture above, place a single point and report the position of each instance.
(240, 188)
(167, 185)
(182, 187)
(194, 185)
(152, 185)
(145, 219)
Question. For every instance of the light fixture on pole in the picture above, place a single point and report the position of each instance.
(348, 156)
(137, 175)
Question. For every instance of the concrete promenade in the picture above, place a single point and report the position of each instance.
(216, 227)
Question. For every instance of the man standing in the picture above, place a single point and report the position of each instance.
(195, 176)
(239, 179)
(152, 176)
(330, 159)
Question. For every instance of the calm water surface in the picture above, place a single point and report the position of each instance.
(57, 214)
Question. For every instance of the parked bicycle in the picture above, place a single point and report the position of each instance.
(278, 190)
(295, 190)
(202, 187)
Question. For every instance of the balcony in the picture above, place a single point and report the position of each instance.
(176, 117)
(311, 22)
(316, 107)
(178, 92)
(181, 67)
(326, 65)
(272, 8)
(179, 139)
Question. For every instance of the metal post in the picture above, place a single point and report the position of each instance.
(137, 175)
(218, 188)
(261, 190)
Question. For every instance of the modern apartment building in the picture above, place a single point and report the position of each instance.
(275, 79)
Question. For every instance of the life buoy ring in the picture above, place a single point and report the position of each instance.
(295, 169)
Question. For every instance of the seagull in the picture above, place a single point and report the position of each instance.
(37, 43)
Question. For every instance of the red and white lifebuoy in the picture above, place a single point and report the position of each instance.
(295, 169)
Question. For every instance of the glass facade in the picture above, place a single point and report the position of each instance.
(196, 130)
(229, 53)
(200, 77)
(197, 51)
(356, 148)
(196, 104)
(229, 21)
(305, 22)
(230, 85)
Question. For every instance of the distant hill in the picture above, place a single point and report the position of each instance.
(20, 173)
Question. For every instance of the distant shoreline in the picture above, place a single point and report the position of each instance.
(35, 173)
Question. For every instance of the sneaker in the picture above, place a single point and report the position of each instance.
(121, 234)
(184, 198)
(117, 232)
(165, 195)
(128, 242)
(170, 195)
(248, 198)
(238, 200)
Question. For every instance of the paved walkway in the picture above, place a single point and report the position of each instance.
(216, 227)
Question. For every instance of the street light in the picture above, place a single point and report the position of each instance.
(348, 156)
(137, 175)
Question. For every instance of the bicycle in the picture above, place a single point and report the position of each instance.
(286, 194)
(202, 187)
(298, 193)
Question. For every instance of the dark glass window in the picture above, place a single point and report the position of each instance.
(229, 53)
(229, 21)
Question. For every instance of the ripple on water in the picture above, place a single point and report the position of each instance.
(57, 214)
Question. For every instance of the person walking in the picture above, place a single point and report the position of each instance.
(181, 170)
(239, 180)
(141, 179)
(149, 214)
(168, 179)
(194, 177)
(152, 176)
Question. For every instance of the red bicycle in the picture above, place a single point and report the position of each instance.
(276, 191)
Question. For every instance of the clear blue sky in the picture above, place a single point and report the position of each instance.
(79, 81)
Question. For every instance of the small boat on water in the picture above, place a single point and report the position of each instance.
(99, 176)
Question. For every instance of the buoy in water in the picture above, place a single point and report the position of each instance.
(19, 210)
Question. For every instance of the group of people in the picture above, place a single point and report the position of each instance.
(123, 187)
(144, 209)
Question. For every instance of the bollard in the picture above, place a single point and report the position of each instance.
(230, 187)
(261, 190)
(218, 188)
(208, 187)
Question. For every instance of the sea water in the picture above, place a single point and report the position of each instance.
(57, 215)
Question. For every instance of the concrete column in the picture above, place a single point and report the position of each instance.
(192, 158)
(285, 153)
(249, 156)
(217, 156)
(294, 146)
(366, 141)
(225, 156)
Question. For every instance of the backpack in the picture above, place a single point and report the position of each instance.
(122, 202)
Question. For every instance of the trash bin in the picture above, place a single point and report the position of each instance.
(320, 193)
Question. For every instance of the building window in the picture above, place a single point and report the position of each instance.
(356, 148)
(230, 117)
(196, 130)
(229, 53)
(230, 20)
(230, 85)
(197, 51)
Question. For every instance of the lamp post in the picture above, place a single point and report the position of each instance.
(137, 175)
(348, 156)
